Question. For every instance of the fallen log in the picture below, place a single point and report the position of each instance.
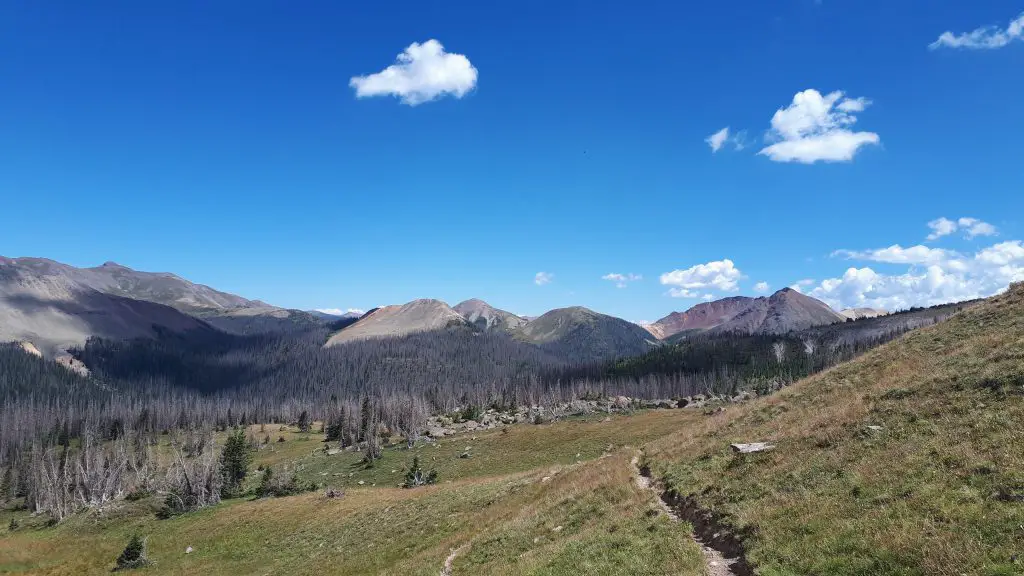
(751, 447)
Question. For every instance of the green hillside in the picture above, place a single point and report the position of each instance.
(908, 460)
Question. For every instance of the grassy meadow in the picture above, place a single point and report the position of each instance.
(545, 499)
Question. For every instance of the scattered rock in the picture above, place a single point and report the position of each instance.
(751, 447)
(874, 428)
(361, 482)
(188, 550)
(556, 529)
(545, 479)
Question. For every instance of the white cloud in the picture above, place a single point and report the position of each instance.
(971, 227)
(897, 254)
(817, 128)
(421, 73)
(542, 278)
(975, 227)
(622, 280)
(800, 285)
(933, 276)
(986, 37)
(941, 227)
(717, 140)
(720, 275)
(724, 136)
(340, 312)
(761, 287)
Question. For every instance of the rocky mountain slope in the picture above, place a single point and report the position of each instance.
(225, 311)
(416, 316)
(54, 310)
(703, 316)
(583, 334)
(858, 313)
(483, 315)
(784, 311)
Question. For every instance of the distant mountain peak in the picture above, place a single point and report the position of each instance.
(583, 333)
(785, 310)
(420, 315)
(483, 315)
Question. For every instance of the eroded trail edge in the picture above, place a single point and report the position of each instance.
(723, 552)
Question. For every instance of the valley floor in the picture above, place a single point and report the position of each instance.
(547, 499)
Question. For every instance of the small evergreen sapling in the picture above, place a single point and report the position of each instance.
(134, 554)
(416, 476)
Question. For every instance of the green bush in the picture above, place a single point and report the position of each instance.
(134, 554)
(416, 476)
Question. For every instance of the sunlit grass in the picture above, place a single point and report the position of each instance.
(938, 489)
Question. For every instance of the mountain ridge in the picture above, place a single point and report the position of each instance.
(784, 311)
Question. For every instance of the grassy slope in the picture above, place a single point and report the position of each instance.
(938, 490)
(497, 501)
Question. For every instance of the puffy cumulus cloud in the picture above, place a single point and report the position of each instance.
(421, 73)
(542, 278)
(933, 277)
(941, 227)
(721, 275)
(984, 38)
(816, 127)
(897, 254)
(971, 228)
(761, 287)
(622, 280)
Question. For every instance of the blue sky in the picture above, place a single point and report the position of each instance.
(254, 147)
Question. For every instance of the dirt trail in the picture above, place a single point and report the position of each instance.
(715, 562)
(447, 570)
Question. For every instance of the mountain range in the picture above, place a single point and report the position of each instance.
(784, 311)
(56, 306)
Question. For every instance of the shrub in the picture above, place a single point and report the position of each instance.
(134, 554)
(304, 423)
(470, 412)
(416, 476)
(13, 525)
(276, 487)
(137, 494)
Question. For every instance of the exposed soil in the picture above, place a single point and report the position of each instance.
(723, 551)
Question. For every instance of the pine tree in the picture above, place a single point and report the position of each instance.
(134, 554)
(235, 460)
